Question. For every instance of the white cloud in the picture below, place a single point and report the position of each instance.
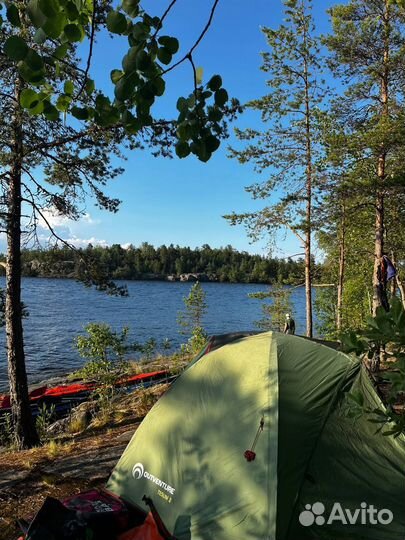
(68, 229)
(127, 245)
(51, 216)
(84, 242)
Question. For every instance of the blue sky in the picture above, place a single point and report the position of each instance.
(181, 201)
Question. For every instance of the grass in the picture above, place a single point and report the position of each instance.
(77, 424)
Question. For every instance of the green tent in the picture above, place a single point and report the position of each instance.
(319, 471)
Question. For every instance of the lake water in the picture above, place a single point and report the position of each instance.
(60, 308)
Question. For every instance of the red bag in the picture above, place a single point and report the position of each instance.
(147, 531)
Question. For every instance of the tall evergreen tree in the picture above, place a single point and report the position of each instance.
(367, 47)
(286, 151)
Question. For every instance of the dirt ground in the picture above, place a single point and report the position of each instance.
(67, 465)
(28, 477)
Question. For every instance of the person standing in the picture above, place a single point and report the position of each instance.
(289, 326)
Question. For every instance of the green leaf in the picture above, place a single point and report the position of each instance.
(63, 102)
(50, 8)
(131, 7)
(164, 55)
(147, 92)
(170, 43)
(116, 75)
(199, 75)
(29, 75)
(200, 150)
(27, 97)
(191, 101)
(116, 22)
(129, 60)
(15, 48)
(212, 143)
(61, 51)
(40, 36)
(182, 149)
(123, 89)
(221, 97)
(214, 114)
(80, 113)
(50, 112)
(89, 86)
(36, 108)
(73, 32)
(131, 123)
(13, 15)
(140, 31)
(53, 26)
(182, 104)
(159, 86)
(143, 60)
(33, 60)
(215, 83)
(71, 11)
(35, 14)
(68, 88)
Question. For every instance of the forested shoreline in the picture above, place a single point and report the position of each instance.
(163, 263)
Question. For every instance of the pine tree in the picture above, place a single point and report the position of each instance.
(191, 319)
(287, 151)
(367, 47)
(273, 314)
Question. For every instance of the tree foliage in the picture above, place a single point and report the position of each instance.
(384, 331)
(286, 151)
(274, 312)
(41, 35)
(105, 352)
(366, 49)
(62, 132)
(191, 320)
(147, 262)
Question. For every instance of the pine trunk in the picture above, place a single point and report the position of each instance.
(308, 224)
(401, 288)
(381, 165)
(342, 263)
(25, 432)
(394, 279)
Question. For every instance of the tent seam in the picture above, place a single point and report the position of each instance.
(327, 415)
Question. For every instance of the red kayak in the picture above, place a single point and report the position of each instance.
(75, 389)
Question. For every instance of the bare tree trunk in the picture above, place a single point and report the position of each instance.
(401, 288)
(378, 245)
(308, 217)
(342, 263)
(394, 279)
(379, 286)
(25, 432)
(379, 201)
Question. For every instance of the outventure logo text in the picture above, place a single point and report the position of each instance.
(138, 471)
(365, 515)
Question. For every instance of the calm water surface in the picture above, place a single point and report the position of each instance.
(60, 308)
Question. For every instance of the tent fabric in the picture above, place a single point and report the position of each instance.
(188, 453)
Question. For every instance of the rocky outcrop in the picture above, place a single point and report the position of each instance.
(79, 416)
(45, 269)
(197, 277)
